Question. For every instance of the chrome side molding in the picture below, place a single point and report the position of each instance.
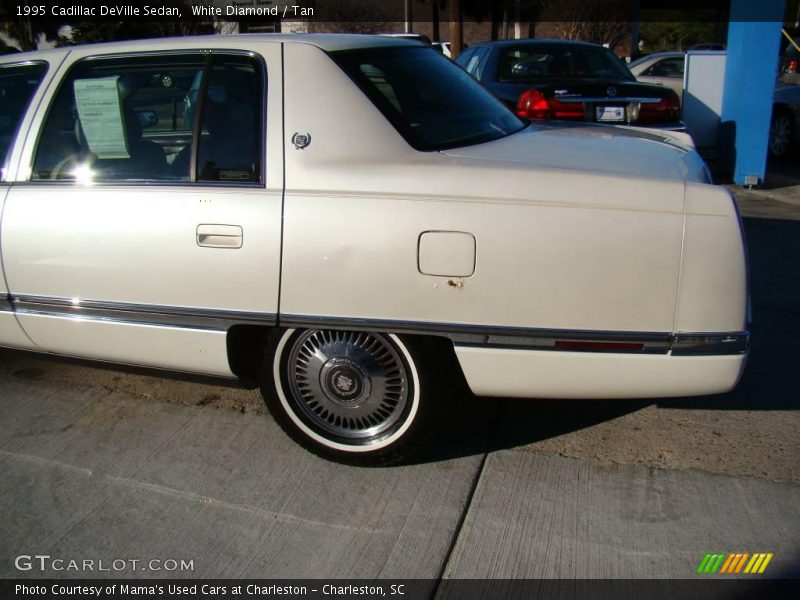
(561, 340)
(145, 314)
(522, 338)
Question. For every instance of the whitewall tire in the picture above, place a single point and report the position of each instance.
(354, 396)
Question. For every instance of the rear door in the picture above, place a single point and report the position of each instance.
(150, 220)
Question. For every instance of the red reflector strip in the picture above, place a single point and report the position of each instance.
(567, 110)
(589, 346)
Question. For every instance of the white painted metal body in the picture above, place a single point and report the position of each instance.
(575, 228)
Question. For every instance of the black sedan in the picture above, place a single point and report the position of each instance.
(577, 81)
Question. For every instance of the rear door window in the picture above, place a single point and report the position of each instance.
(230, 143)
(17, 86)
(667, 67)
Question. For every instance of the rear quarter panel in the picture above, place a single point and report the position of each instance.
(713, 285)
(554, 248)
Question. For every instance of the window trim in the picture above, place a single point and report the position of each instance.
(197, 118)
(15, 139)
(207, 54)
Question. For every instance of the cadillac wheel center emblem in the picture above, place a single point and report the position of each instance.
(301, 140)
(612, 91)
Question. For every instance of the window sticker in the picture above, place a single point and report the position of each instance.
(100, 115)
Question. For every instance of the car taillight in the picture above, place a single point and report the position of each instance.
(665, 111)
(532, 104)
(792, 66)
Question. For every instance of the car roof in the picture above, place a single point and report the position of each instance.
(536, 41)
(665, 53)
(329, 42)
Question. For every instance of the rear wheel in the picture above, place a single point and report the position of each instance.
(354, 396)
(781, 134)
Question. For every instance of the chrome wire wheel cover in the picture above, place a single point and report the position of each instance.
(353, 385)
(780, 135)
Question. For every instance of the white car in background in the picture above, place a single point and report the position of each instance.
(338, 219)
(663, 68)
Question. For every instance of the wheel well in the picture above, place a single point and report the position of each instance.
(246, 345)
(441, 349)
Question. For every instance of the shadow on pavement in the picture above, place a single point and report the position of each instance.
(479, 425)
(783, 173)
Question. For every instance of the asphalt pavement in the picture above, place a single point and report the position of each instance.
(99, 464)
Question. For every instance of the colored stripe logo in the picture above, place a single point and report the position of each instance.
(734, 563)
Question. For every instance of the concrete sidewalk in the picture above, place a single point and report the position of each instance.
(93, 475)
(779, 198)
(90, 474)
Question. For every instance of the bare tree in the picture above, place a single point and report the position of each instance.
(27, 31)
(598, 21)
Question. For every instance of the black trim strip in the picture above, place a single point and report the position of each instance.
(6, 305)
(467, 329)
(169, 316)
(197, 121)
(522, 338)
(494, 336)
(462, 335)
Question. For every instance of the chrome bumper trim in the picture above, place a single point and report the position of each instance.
(707, 344)
(608, 99)
(144, 314)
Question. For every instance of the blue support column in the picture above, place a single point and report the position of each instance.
(750, 71)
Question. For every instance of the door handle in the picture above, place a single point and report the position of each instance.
(219, 236)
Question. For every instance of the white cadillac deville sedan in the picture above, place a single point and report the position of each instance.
(335, 218)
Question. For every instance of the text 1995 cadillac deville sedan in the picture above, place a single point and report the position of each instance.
(336, 217)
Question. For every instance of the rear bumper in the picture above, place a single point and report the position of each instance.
(522, 373)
